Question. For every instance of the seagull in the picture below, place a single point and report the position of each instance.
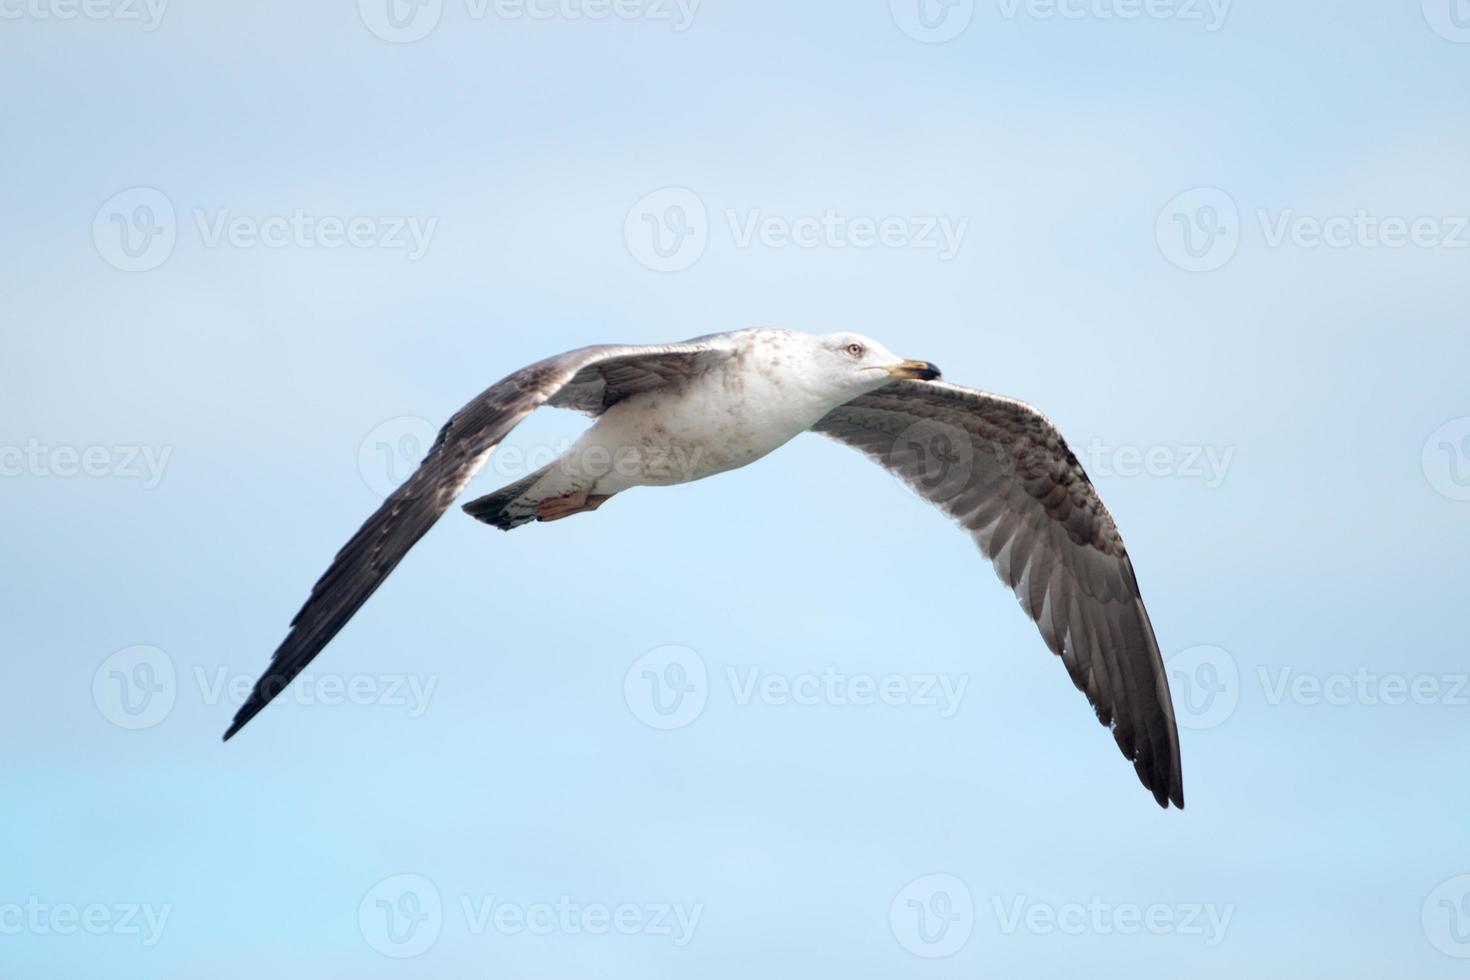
(675, 413)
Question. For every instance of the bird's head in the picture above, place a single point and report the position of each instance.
(859, 364)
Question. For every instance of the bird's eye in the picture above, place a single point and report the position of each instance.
(856, 350)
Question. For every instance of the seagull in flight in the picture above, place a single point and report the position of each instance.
(675, 413)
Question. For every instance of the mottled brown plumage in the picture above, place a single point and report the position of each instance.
(1024, 498)
(994, 464)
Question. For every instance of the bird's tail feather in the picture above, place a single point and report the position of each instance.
(510, 506)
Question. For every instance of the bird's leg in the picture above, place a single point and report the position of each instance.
(577, 502)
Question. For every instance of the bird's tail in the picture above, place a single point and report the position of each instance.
(510, 506)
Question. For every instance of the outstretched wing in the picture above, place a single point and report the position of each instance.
(589, 380)
(999, 468)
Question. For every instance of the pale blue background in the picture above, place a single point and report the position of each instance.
(1324, 549)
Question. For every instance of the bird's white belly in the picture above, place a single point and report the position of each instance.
(664, 438)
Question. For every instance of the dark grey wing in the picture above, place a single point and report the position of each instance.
(999, 468)
(589, 379)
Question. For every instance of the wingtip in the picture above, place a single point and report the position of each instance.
(242, 718)
(1172, 795)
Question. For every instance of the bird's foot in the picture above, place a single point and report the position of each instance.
(581, 502)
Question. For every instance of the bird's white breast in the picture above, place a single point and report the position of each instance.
(725, 418)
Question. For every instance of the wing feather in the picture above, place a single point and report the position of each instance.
(590, 380)
(1001, 469)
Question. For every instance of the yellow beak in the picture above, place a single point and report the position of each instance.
(914, 370)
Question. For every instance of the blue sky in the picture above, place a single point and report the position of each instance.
(253, 257)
